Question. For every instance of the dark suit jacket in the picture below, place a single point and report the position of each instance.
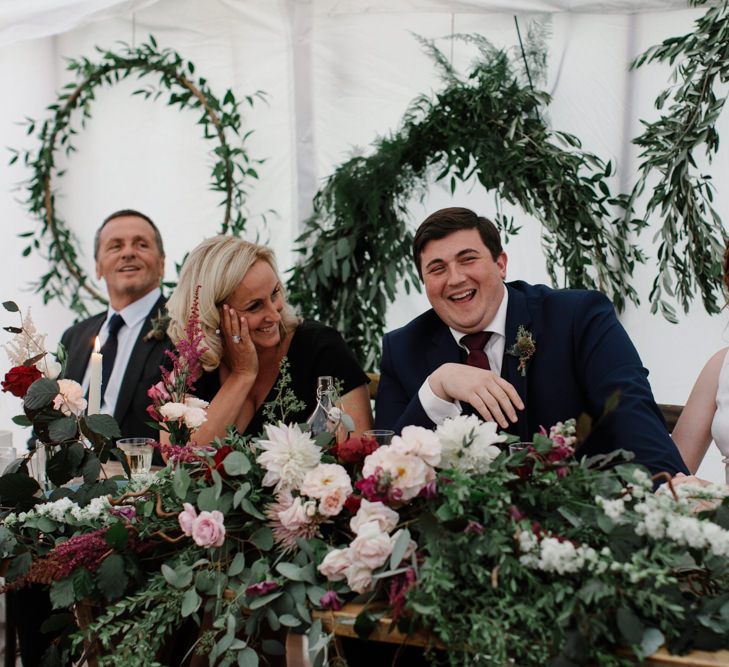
(143, 370)
(582, 356)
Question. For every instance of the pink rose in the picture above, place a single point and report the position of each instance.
(208, 529)
(333, 503)
(371, 548)
(334, 564)
(187, 518)
(385, 517)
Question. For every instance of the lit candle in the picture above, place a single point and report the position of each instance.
(95, 381)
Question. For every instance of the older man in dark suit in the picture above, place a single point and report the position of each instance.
(572, 355)
(130, 258)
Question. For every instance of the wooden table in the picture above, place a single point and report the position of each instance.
(341, 624)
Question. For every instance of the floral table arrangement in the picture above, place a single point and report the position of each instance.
(505, 553)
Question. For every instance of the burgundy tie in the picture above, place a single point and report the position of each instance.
(475, 343)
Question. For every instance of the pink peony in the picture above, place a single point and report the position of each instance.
(187, 518)
(208, 529)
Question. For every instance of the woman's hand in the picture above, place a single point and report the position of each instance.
(239, 353)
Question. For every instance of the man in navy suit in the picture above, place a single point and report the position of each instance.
(581, 355)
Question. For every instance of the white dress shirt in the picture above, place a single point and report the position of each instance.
(134, 315)
(437, 409)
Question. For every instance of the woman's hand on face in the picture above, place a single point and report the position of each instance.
(240, 355)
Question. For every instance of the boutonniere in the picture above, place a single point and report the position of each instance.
(159, 326)
(523, 349)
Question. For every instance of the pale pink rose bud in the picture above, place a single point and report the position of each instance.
(208, 529)
(334, 564)
(377, 511)
(371, 548)
(187, 518)
(359, 579)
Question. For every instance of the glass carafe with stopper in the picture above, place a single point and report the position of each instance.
(324, 416)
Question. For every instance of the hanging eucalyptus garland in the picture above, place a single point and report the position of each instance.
(356, 244)
(220, 121)
(692, 236)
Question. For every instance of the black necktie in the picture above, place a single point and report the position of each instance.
(475, 343)
(109, 350)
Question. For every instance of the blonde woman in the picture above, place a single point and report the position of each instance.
(248, 328)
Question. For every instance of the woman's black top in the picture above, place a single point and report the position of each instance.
(315, 350)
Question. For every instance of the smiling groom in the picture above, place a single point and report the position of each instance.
(523, 355)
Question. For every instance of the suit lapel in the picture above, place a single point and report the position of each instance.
(136, 365)
(517, 313)
(443, 348)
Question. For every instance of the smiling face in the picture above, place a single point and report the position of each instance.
(259, 298)
(463, 283)
(129, 260)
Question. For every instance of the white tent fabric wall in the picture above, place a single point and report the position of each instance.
(336, 74)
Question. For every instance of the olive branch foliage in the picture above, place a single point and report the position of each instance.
(691, 237)
(489, 124)
(221, 121)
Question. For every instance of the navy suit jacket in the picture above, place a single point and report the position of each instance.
(143, 370)
(582, 356)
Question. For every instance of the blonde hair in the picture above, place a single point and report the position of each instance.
(217, 266)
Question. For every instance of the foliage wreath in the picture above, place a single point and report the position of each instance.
(356, 244)
(221, 122)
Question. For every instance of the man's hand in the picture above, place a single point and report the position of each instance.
(490, 395)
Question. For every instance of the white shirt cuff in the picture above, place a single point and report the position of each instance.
(435, 407)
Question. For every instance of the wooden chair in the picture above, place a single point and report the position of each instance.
(671, 413)
(374, 383)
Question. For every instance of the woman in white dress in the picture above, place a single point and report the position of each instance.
(706, 415)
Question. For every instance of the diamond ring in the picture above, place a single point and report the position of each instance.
(236, 339)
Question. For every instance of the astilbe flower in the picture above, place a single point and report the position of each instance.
(398, 590)
(186, 366)
(87, 550)
(180, 454)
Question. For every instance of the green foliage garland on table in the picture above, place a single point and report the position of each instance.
(489, 124)
(220, 120)
(524, 554)
(692, 237)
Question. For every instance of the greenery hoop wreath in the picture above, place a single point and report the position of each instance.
(220, 120)
(489, 124)
(356, 244)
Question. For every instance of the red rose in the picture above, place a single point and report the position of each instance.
(352, 503)
(18, 379)
(354, 450)
(218, 462)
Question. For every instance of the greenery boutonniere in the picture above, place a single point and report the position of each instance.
(159, 326)
(523, 349)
